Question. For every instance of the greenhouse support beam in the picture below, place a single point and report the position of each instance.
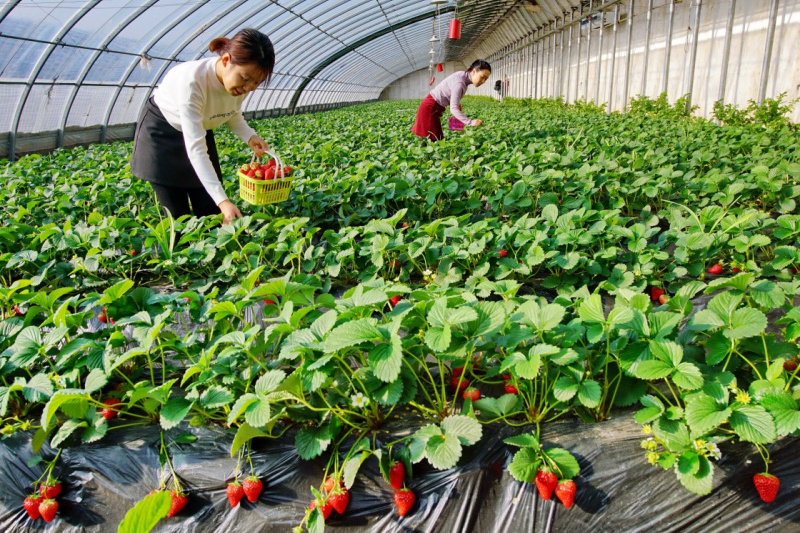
(726, 53)
(578, 57)
(668, 47)
(647, 33)
(87, 67)
(773, 18)
(626, 82)
(613, 61)
(693, 57)
(599, 58)
(352, 47)
(65, 29)
(589, 21)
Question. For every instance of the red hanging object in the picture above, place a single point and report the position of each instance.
(439, 67)
(433, 79)
(455, 29)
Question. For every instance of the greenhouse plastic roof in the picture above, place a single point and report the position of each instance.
(71, 64)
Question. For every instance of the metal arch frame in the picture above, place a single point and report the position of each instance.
(347, 80)
(113, 101)
(353, 47)
(65, 29)
(8, 9)
(90, 64)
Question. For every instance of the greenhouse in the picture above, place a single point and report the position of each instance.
(400, 265)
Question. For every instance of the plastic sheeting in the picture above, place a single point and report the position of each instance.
(617, 489)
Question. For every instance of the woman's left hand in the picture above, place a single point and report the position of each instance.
(258, 145)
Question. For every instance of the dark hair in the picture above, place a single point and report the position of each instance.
(248, 47)
(479, 64)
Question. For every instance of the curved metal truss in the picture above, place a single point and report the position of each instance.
(81, 65)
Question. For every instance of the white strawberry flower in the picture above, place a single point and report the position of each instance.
(359, 400)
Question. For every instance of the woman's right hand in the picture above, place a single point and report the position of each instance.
(477, 122)
(229, 211)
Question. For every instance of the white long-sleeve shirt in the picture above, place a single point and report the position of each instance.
(193, 100)
(450, 91)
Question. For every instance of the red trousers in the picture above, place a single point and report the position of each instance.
(428, 123)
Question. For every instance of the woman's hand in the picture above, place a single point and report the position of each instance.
(258, 145)
(229, 211)
(477, 122)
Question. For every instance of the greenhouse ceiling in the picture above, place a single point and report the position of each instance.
(71, 65)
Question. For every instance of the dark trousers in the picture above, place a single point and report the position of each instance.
(176, 200)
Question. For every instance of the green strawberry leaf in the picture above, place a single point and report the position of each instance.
(701, 481)
(351, 334)
(245, 433)
(704, 413)
(386, 358)
(524, 465)
(753, 424)
(144, 516)
(466, 429)
(783, 408)
(443, 451)
(566, 466)
(174, 411)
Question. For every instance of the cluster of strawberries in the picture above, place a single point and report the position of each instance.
(335, 498)
(250, 487)
(403, 497)
(547, 483)
(43, 503)
(267, 171)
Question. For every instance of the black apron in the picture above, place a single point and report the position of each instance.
(159, 152)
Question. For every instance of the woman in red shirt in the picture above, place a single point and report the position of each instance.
(428, 123)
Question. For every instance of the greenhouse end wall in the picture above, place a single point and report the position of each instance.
(553, 67)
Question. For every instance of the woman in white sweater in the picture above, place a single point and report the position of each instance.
(174, 147)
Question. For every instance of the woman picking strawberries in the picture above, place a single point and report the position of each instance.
(428, 123)
(174, 147)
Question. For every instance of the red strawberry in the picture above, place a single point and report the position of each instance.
(566, 492)
(405, 225)
(511, 389)
(48, 509)
(108, 413)
(179, 501)
(102, 317)
(457, 371)
(252, 488)
(459, 384)
(235, 493)
(31, 505)
(286, 171)
(715, 269)
(254, 165)
(50, 489)
(472, 393)
(663, 299)
(251, 173)
(404, 499)
(269, 302)
(257, 174)
(502, 253)
(326, 508)
(394, 299)
(272, 163)
(790, 365)
(767, 486)
(244, 168)
(656, 293)
(546, 482)
(339, 499)
(331, 483)
(134, 253)
(736, 270)
(269, 174)
(397, 475)
(18, 311)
